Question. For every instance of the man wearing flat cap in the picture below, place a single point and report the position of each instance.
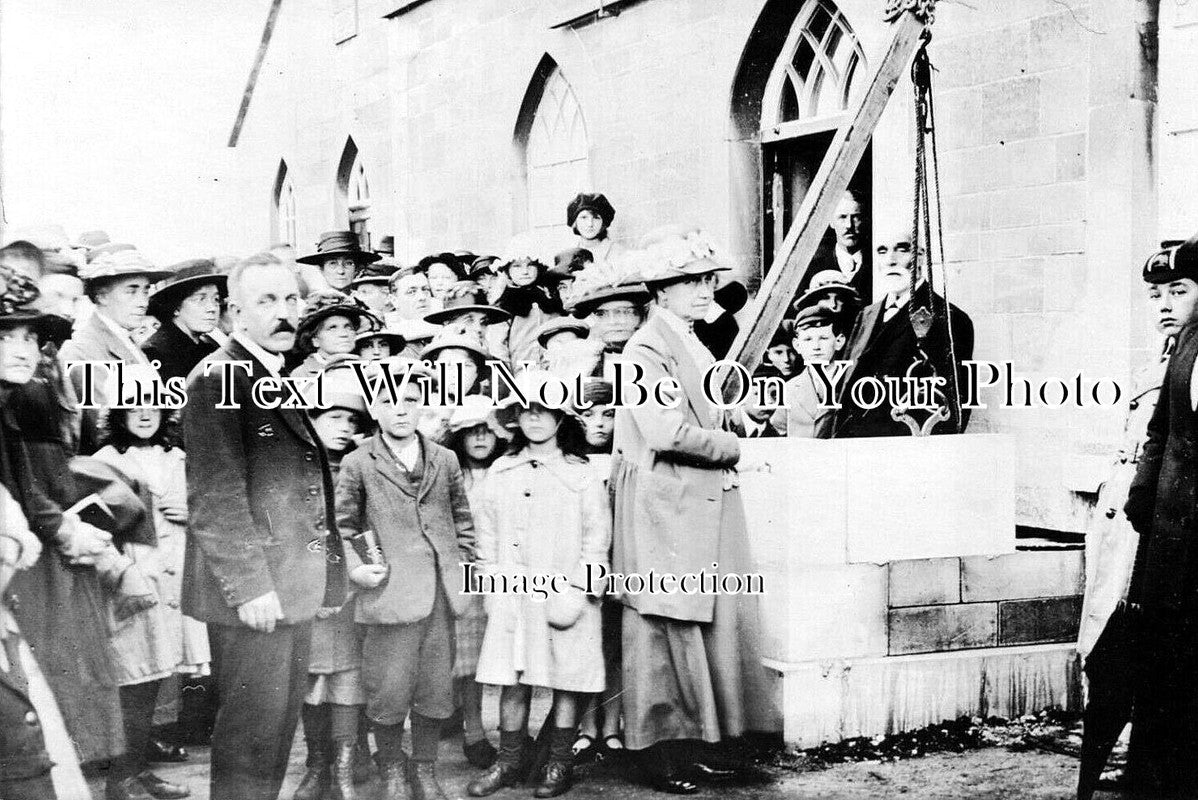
(1163, 598)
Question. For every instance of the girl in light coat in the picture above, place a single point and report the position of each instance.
(542, 512)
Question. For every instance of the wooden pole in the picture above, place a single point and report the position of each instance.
(263, 45)
(819, 204)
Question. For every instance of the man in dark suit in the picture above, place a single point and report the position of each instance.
(883, 345)
(261, 498)
(845, 248)
(1163, 598)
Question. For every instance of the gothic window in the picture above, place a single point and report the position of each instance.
(815, 75)
(353, 190)
(284, 207)
(556, 153)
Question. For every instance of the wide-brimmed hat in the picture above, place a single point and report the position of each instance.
(595, 203)
(111, 262)
(90, 240)
(322, 305)
(522, 248)
(342, 389)
(396, 340)
(473, 410)
(379, 273)
(386, 246)
(585, 303)
(333, 244)
(451, 341)
(482, 265)
(677, 252)
(185, 278)
(462, 298)
(557, 325)
(828, 281)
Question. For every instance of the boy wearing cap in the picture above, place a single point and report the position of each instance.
(817, 341)
(410, 493)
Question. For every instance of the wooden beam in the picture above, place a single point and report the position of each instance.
(819, 204)
(248, 95)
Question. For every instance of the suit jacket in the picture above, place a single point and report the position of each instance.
(825, 258)
(260, 500)
(95, 341)
(425, 532)
(802, 416)
(668, 470)
(1162, 503)
(177, 352)
(886, 348)
(737, 425)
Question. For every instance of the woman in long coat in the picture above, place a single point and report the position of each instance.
(692, 662)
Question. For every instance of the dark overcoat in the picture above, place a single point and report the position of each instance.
(259, 496)
(176, 352)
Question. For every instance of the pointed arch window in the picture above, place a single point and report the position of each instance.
(815, 76)
(353, 190)
(283, 207)
(556, 152)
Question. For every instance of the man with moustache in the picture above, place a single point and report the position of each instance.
(118, 283)
(883, 345)
(261, 506)
(1111, 541)
(845, 249)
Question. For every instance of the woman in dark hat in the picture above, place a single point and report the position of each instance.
(443, 271)
(613, 306)
(339, 256)
(188, 304)
(326, 333)
(465, 310)
(61, 613)
(377, 344)
(590, 216)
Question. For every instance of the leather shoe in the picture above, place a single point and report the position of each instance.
(422, 780)
(127, 789)
(160, 752)
(160, 789)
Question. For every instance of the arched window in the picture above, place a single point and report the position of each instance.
(556, 149)
(283, 207)
(813, 78)
(353, 191)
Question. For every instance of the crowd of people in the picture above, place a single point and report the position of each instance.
(229, 569)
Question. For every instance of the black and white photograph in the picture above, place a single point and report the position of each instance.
(440, 399)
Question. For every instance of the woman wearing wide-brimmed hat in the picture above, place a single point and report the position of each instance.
(339, 255)
(612, 299)
(188, 304)
(678, 510)
(375, 344)
(326, 333)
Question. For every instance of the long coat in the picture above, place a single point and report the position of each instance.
(158, 641)
(1111, 541)
(542, 516)
(95, 341)
(259, 497)
(425, 532)
(668, 474)
(176, 352)
(880, 348)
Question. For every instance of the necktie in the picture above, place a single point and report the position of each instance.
(891, 310)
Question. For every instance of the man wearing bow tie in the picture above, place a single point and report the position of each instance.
(883, 343)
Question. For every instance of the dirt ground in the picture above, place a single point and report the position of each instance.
(986, 774)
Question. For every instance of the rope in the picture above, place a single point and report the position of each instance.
(925, 129)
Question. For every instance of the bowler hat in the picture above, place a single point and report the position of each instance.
(334, 244)
(184, 279)
(462, 298)
(596, 203)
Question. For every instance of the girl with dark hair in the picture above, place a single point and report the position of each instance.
(477, 440)
(542, 519)
(156, 642)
